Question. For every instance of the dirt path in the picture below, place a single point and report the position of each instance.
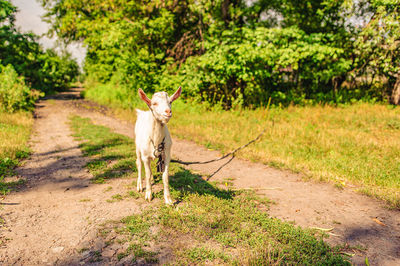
(59, 212)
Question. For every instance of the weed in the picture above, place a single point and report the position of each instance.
(82, 250)
(109, 188)
(85, 200)
(95, 257)
(197, 255)
(134, 194)
(108, 149)
(115, 198)
(122, 255)
(139, 252)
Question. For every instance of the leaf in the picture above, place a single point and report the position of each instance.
(378, 222)
(323, 229)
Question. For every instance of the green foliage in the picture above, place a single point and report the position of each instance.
(14, 94)
(43, 70)
(247, 68)
(235, 52)
(7, 11)
(111, 94)
(314, 16)
(57, 72)
(377, 46)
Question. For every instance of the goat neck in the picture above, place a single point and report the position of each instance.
(158, 132)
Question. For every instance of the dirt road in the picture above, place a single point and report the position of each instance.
(51, 220)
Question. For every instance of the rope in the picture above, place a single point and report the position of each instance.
(228, 154)
(232, 152)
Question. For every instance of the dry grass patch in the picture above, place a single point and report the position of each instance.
(15, 129)
(355, 145)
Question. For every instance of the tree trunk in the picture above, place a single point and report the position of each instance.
(395, 97)
(225, 12)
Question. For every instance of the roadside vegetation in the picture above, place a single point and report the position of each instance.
(210, 223)
(27, 72)
(355, 145)
(15, 129)
(43, 70)
(236, 53)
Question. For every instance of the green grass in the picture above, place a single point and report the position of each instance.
(209, 224)
(15, 129)
(356, 146)
(112, 153)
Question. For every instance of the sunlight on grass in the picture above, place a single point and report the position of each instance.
(208, 225)
(15, 129)
(112, 153)
(352, 145)
(356, 146)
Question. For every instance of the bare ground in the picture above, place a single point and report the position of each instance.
(55, 218)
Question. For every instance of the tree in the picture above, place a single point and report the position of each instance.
(150, 43)
(42, 70)
(377, 47)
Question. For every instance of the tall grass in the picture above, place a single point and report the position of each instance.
(354, 145)
(15, 129)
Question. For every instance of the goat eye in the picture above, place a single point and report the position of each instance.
(155, 104)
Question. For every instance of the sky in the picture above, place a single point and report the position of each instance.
(28, 18)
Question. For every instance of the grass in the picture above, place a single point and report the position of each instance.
(208, 225)
(355, 146)
(15, 129)
(109, 151)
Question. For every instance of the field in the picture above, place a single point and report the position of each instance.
(14, 135)
(356, 146)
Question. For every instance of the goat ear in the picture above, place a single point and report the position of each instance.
(176, 95)
(144, 97)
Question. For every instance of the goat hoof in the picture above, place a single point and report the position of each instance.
(148, 196)
(139, 189)
(168, 201)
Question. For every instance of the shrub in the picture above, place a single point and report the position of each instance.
(14, 94)
(249, 66)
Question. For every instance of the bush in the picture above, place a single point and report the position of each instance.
(42, 70)
(249, 66)
(14, 94)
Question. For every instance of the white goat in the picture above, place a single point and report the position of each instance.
(150, 132)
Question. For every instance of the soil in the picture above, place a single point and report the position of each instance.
(55, 218)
